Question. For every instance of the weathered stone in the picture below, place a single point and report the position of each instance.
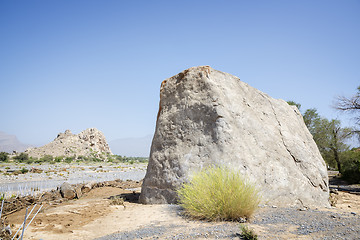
(67, 191)
(87, 187)
(78, 190)
(90, 142)
(207, 117)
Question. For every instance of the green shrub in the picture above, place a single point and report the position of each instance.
(23, 157)
(217, 193)
(24, 170)
(4, 156)
(69, 159)
(59, 159)
(247, 234)
(47, 158)
(81, 158)
(31, 160)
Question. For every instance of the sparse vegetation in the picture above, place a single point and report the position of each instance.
(69, 159)
(4, 156)
(22, 157)
(247, 233)
(117, 200)
(93, 157)
(47, 158)
(218, 193)
(24, 170)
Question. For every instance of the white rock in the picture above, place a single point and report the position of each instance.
(208, 117)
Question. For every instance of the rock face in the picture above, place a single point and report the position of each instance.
(207, 117)
(89, 141)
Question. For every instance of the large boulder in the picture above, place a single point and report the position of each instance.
(207, 117)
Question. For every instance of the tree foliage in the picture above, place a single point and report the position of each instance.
(351, 165)
(4, 156)
(22, 157)
(329, 136)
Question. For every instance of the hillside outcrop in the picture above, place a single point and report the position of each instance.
(89, 142)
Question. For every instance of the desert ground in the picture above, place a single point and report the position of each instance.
(96, 215)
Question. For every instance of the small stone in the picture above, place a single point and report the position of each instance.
(242, 220)
(353, 213)
(78, 191)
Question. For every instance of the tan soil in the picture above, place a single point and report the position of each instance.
(93, 216)
(348, 202)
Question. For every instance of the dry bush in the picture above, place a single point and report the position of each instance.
(217, 193)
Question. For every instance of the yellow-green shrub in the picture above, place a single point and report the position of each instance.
(218, 193)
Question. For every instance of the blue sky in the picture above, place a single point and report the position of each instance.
(80, 64)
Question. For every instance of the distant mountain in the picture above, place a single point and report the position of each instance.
(10, 143)
(132, 147)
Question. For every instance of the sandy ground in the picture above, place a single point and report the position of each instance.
(93, 216)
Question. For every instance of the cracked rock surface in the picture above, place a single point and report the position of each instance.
(207, 117)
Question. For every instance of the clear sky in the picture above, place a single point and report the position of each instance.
(80, 64)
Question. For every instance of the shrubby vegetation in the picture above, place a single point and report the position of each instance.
(4, 157)
(247, 233)
(351, 165)
(24, 158)
(218, 193)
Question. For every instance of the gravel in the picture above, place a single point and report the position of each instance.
(224, 231)
(277, 223)
(318, 224)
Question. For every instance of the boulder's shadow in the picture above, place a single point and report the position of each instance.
(335, 182)
(132, 197)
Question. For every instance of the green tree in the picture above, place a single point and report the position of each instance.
(4, 156)
(23, 157)
(351, 165)
(329, 136)
(312, 120)
(335, 139)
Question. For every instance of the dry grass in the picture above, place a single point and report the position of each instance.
(218, 193)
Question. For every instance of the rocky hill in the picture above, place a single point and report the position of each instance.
(89, 142)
